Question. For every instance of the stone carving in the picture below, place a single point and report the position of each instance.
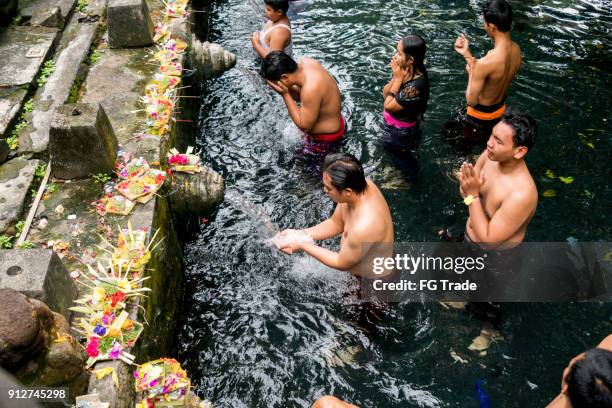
(196, 194)
(211, 59)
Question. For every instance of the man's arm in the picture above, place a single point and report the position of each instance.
(350, 254)
(511, 215)
(477, 76)
(329, 228)
(306, 115)
(261, 51)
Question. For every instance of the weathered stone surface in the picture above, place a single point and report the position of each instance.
(39, 274)
(23, 326)
(47, 17)
(82, 142)
(11, 100)
(196, 194)
(28, 7)
(129, 24)
(121, 71)
(16, 176)
(73, 50)
(17, 66)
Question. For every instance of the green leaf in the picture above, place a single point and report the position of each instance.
(567, 180)
(550, 193)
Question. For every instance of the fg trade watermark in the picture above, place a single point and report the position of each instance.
(528, 272)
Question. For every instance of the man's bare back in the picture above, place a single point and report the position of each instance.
(321, 89)
(503, 64)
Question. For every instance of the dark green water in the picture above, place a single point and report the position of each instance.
(257, 326)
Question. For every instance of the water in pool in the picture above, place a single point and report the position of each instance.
(262, 329)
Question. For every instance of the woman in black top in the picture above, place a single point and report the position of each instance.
(405, 98)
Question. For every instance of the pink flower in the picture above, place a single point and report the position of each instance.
(92, 347)
(178, 159)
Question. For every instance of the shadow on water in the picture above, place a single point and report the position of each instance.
(263, 329)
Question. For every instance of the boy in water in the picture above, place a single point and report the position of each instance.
(276, 34)
(490, 76)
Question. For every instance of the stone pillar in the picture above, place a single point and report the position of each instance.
(81, 142)
(129, 24)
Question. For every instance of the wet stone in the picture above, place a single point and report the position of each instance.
(129, 24)
(196, 194)
(38, 274)
(16, 177)
(47, 17)
(82, 141)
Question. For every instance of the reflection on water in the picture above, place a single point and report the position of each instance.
(263, 329)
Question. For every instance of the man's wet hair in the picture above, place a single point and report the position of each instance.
(589, 381)
(276, 64)
(282, 5)
(498, 12)
(345, 172)
(524, 128)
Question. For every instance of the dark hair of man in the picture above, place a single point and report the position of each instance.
(589, 381)
(524, 128)
(414, 45)
(282, 5)
(276, 64)
(499, 13)
(345, 172)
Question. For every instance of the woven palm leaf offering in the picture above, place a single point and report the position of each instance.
(133, 250)
(152, 180)
(175, 8)
(162, 32)
(163, 382)
(105, 323)
(133, 168)
(118, 204)
(187, 162)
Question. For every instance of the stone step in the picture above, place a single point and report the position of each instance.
(77, 38)
(22, 52)
(28, 7)
(16, 177)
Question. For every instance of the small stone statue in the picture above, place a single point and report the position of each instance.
(211, 59)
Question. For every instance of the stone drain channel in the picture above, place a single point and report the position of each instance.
(75, 105)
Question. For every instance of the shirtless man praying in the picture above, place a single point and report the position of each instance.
(490, 76)
(499, 190)
(308, 83)
(362, 217)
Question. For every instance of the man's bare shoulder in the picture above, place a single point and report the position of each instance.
(524, 188)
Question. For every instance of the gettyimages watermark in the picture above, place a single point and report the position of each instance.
(529, 272)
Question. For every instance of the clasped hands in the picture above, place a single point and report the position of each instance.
(469, 181)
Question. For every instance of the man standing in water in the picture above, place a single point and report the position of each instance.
(499, 190)
(362, 218)
(490, 76)
(307, 82)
